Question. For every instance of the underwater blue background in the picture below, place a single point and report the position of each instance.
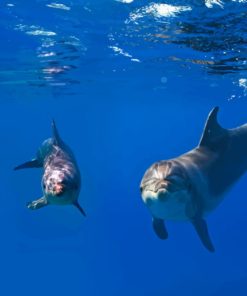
(128, 83)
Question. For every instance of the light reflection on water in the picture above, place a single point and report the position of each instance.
(88, 38)
(219, 34)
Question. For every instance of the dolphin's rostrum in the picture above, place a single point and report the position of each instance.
(61, 179)
(190, 186)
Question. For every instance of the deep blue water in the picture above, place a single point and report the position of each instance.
(128, 83)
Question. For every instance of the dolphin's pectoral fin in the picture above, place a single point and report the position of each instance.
(202, 231)
(34, 163)
(76, 204)
(159, 228)
(37, 204)
(214, 136)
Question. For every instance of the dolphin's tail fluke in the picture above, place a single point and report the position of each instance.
(34, 163)
(76, 204)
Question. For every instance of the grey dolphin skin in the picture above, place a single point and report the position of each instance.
(61, 180)
(190, 186)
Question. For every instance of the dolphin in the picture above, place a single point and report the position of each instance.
(192, 185)
(61, 179)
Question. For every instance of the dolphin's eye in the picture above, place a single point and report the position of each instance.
(141, 189)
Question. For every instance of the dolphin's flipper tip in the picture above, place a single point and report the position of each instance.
(19, 167)
(159, 228)
(34, 163)
(202, 231)
(78, 206)
(30, 206)
(37, 204)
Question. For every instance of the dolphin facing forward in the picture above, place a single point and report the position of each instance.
(61, 180)
(188, 187)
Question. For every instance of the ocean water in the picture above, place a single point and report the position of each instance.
(128, 83)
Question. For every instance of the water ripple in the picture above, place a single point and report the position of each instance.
(58, 6)
(72, 42)
(216, 33)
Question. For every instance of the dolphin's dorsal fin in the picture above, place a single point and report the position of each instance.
(214, 136)
(55, 134)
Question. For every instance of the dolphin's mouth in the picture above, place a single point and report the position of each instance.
(164, 196)
(150, 197)
(163, 189)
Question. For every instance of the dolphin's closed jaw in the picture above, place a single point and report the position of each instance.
(149, 197)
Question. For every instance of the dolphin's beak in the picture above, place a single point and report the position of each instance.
(160, 190)
(150, 196)
(34, 163)
(163, 193)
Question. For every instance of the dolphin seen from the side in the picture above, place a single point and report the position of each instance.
(61, 179)
(190, 186)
